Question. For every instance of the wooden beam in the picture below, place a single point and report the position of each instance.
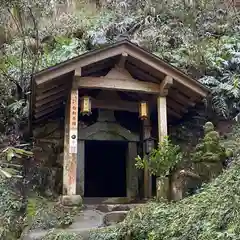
(84, 60)
(166, 69)
(165, 85)
(122, 60)
(117, 84)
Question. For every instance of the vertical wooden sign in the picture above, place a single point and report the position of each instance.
(73, 122)
(73, 138)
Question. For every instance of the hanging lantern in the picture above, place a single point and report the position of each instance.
(86, 105)
(149, 144)
(143, 110)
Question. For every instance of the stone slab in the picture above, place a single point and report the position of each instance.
(71, 200)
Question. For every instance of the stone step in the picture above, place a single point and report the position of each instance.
(115, 207)
(114, 217)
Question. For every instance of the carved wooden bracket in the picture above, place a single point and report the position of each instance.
(165, 85)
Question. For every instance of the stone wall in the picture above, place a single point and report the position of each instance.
(48, 146)
(48, 154)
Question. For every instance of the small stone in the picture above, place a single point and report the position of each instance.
(71, 200)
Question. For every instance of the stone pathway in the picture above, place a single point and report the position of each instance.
(90, 218)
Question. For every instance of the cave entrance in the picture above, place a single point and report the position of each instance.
(105, 168)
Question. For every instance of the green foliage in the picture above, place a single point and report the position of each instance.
(162, 160)
(212, 214)
(232, 141)
(11, 152)
(11, 208)
(64, 49)
(209, 149)
(8, 154)
(61, 235)
(45, 214)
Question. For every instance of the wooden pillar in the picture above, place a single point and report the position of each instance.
(131, 176)
(147, 177)
(70, 144)
(162, 117)
(162, 108)
(163, 184)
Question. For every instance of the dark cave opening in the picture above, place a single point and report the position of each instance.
(105, 168)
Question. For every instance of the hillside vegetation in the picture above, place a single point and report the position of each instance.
(200, 37)
(213, 214)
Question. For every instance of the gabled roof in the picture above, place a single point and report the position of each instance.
(142, 65)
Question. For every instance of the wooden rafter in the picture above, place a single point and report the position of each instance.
(176, 106)
(59, 96)
(166, 69)
(41, 96)
(49, 105)
(47, 111)
(178, 97)
(146, 76)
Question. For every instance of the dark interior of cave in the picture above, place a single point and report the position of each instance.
(105, 168)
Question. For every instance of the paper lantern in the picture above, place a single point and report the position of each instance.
(86, 105)
(143, 110)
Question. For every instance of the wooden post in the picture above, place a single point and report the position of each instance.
(163, 184)
(147, 177)
(73, 136)
(162, 107)
(162, 118)
(66, 148)
(70, 144)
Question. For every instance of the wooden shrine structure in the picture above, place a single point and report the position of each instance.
(116, 78)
